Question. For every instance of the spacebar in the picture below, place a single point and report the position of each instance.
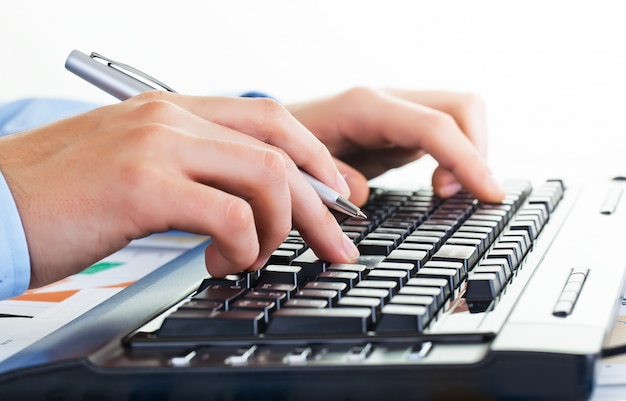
(302, 321)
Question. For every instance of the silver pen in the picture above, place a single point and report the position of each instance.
(123, 81)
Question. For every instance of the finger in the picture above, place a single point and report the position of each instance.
(359, 187)
(232, 173)
(257, 174)
(268, 121)
(467, 109)
(397, 122)
(318, 227)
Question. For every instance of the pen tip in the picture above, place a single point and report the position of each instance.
(361, 215)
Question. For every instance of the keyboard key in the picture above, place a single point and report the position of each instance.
(458, 253)
(375, 247)
(339, 288)
(279, 274)
(481, 289)
(330, 296)
(435, 293)
(278, 297)
(311, 265)
(416, 258)
(348, 278)
(439, 283)
(264, 306)
(360, 270)
(427, 301)
(287, 289)
(305, 303)
(220, 293)
(402, 319)
(194, 323)
(303, 321)
(399, 276)
(374, 304)
(383, 295)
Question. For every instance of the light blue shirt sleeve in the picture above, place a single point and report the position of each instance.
(15, 117)
(14, 259)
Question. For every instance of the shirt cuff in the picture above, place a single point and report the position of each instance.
(14, 258)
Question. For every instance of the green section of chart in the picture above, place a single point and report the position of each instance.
(101, 266)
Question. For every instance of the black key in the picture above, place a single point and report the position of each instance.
(266, 307)
(220, 293)
(193, 323)
(414, 246)
(311, 265)
(375, 247)
(339, 288)
(500, 263)
(202, 305)
(382, 295)
(287, 289)
(303, 321)
(482, 287)
(281, 257)
(378, 236)
(278, 297)
(439, 283)
(435, 293)
(475, 242)
(509, 254)
(451, 275)
(330, 296)
(409, 268)
(399, 276)
(496, 269)
(305, 303)
(416, 258)
(231, 280)
(402, 319)
(359, 269)
(279, 274)
(373, 304)
(297, 248)
(458, 253)
(427, 301)
(390, 286)
(349, 278)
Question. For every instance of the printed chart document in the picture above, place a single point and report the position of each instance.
(28, 318)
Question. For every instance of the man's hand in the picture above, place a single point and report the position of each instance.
(371, 131)
(224, 167)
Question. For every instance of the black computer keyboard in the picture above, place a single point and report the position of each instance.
(450, 299)
(421, 256)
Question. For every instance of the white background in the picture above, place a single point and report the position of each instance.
(553, 73)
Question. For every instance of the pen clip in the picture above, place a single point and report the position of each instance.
(126, 69)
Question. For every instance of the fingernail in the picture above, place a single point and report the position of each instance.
(342, 184)
(350, 249)
(494, 185)
(450, 189)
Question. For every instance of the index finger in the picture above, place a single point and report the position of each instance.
(269, 122)
(402, 123)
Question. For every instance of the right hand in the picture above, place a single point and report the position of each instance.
(225, 167)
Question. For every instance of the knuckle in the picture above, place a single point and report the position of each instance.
(155, 106)
(151, 137)
(438, 121)
(271, 108)
(274, 167)
(237, 215)
(470, 102)
(360, 94)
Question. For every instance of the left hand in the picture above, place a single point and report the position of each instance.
(376, 130)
